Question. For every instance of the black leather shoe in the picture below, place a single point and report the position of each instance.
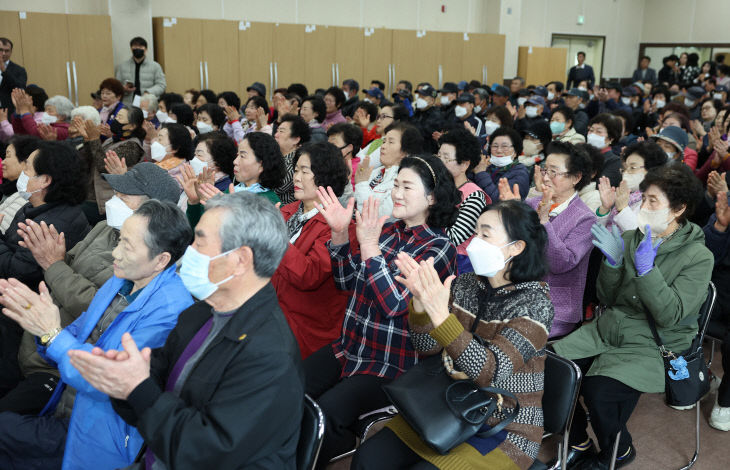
(575, 456)
(600, 462)
(628, 458)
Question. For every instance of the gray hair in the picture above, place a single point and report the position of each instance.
(168, 229)
(88, 113)
(151, 100)
(64, 106)
(484, 94)
(252, 221)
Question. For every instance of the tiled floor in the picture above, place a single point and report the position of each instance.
(664, 438)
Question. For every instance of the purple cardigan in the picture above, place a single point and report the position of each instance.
(569, 247)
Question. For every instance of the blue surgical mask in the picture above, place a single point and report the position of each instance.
(556, 127)
(194, 273)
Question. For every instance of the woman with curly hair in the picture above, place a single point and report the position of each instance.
(459, 152)
(52, 182)
(311, 302)
(374, 347)
(258, 167)
(660, 271)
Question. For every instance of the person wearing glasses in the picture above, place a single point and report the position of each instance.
(620, 206)
(387, 116)
(459, 152)
(505, 145)
(568, 222)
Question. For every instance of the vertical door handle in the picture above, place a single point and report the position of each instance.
(391, 78)
(202, 84)
(441, 76)
(394, 76)
(337, 68)
(333, 74)
(76, 82)
(276, 74)
(68, 79)
(207, 83)
(271, 79)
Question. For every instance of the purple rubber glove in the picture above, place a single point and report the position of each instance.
(645, 253)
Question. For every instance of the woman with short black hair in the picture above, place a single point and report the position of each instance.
(505, 146)
(660, 271)
(604, 131)
(374, 346)
(334, 98)
(54, 184)
(210, 118)
(312, 304)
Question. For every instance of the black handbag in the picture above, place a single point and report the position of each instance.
(690, 389)
(443, 411)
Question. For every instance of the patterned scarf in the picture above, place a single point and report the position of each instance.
(298, 219)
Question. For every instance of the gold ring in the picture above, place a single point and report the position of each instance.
(27, 307)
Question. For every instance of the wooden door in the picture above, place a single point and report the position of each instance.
(416, 58)
(10, 26)
(377, 54)
(319, 55)
(220, 51)
(349, 58)
(179, 50)
(255, 57)
(91, 61)
(288, 54)
(540, 65)
(45, 52)
(450, 58)
(483, 50)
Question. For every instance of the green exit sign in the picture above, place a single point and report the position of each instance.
(581, 19)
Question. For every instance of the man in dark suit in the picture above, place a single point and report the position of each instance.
(644, 73)
(580, 72)
(12, 75)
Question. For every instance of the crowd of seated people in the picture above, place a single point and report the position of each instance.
(179, 267)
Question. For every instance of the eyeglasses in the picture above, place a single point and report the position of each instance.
(383, 116)
(631, 169)
(552, 172)
(445, 158)
(502, 147)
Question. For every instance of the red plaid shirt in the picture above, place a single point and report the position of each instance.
(375, 338)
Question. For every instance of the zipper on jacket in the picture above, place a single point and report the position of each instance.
(126, 440)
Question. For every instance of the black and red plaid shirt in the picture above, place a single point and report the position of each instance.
(375, 338)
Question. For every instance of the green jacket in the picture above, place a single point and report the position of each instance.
(195, 211)
(73, 283)
(672, 292)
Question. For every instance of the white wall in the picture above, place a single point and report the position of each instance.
(681, 21)
(620, 21)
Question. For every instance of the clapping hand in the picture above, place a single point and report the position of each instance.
(336, 216)
(610, 243)
(232, 113)
(369, 225)
(35, 313)
(363, 170)
(538, 179)
(150, 131)
(47, 132)
(646, 253)
(722, 212)
(44, 242)
(543, 208)
(105, 130)
(607, 194)
(429, 293)
(505, 193)
(716, 183)
(113, 164)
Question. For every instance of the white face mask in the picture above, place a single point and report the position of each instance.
(501, 161)
(367, 100)
(48, 119)
(521, 101)
(421, 103)
(717, 96)
(626, 101)
(656, 220)
(171, 120)
(162, 117)
(551, 95)
(530, 148)
(198, 165)
(203, 127)
(598, 141)
(460, 111)
(689, 103)
(490, 126)
(157, 151)
(22, 185)
(531, 111)
(670, 155)
(445, 101)
(660, 104)
(145, 113)
(633, 180)
(486, 259)
(117, 212)
(477, 109)
(582, 88)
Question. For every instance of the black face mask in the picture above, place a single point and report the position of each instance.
(116, 127)
(138, 53)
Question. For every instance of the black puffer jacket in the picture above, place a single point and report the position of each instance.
(18, 262)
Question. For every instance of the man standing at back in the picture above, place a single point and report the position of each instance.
(140, 75)
(580, 72)
(12, 75)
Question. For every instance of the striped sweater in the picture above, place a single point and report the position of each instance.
(509, 354)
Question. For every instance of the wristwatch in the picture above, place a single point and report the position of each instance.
(47, 338)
